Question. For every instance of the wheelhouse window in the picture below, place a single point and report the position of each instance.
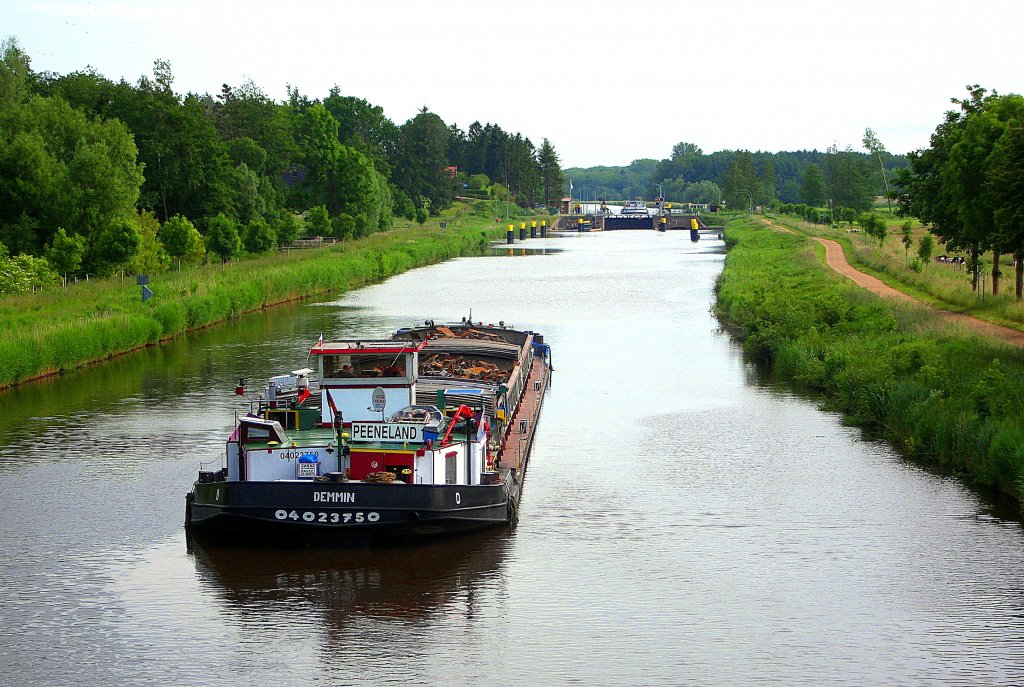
(390, 366)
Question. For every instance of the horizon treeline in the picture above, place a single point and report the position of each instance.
(99, 175)
(837, 177)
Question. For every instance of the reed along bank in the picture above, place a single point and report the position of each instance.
(944, 396)
(47, 332)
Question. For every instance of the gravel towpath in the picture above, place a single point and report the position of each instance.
(836, 259)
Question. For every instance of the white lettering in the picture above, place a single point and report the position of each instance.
(333, 497)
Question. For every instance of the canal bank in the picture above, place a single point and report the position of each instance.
(48, 333)
(937, 390)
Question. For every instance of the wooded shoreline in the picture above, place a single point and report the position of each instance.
(47, 333)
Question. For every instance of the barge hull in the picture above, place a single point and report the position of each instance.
(337, 513)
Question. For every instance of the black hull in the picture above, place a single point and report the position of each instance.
(344, 513)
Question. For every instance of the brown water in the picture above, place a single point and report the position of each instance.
(684, 521)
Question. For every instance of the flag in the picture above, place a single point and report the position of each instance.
(570, 185)
(319, 342)
(303, 395)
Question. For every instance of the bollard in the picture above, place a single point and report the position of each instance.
(522, 231)
(694, 230)
(543, 228)
(510, 235)
(533, 230)
(662, 224)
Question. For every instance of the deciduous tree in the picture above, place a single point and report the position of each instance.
(222, 238)
(181, 239)
(65, 252)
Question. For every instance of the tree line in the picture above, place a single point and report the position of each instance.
(836, 179)
(968, 184)
(97, 175)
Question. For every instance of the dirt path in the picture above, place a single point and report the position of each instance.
(836, 259)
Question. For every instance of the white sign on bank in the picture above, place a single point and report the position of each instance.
(386, 431)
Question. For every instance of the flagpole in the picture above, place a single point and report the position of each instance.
(319, 342)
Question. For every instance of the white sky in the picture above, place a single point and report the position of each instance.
(606, 82)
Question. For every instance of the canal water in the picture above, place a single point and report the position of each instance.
(685, 522)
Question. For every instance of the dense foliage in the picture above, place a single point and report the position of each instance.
(967, 183)
(836, 178)
(944, 397)
(45, 332)
(82, 158)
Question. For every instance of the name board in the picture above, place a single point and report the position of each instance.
(386, 431)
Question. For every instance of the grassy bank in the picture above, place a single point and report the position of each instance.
(46, 332)
(945, 285)
(944, 397)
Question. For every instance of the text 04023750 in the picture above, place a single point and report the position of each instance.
(328, 518)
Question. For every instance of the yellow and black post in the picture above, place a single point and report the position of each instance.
(522, 231)
(694, 230)
(533, 229)
(543, 228)
(510, 236)
(662, 223)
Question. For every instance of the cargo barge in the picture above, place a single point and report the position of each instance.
(422, 434)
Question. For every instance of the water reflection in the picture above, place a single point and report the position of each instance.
(406, 583)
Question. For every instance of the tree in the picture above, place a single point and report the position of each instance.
(952, 184)
(249, 201)
(1005, 184)
(320, 147)
(925, 247)
(699, 192)
(739, 185)
(222, 237)
(151, 256)
(875, 147)
(356, 188)
(60, 169)
(15, 72)
(65, 252)
(287, 226)
(875, 227)
(766, 183)
(812, 191)
(116, 244)
(318, 221)
(364, 127)
(908, 239)
(181, 239)
(259, 237)
(968, 168)
(424, 145)
(552, 178)
(846, 181)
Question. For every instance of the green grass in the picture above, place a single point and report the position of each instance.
(55, 330)
(944, 396)
(943, 285)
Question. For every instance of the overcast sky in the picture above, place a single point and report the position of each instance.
(606, 82)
